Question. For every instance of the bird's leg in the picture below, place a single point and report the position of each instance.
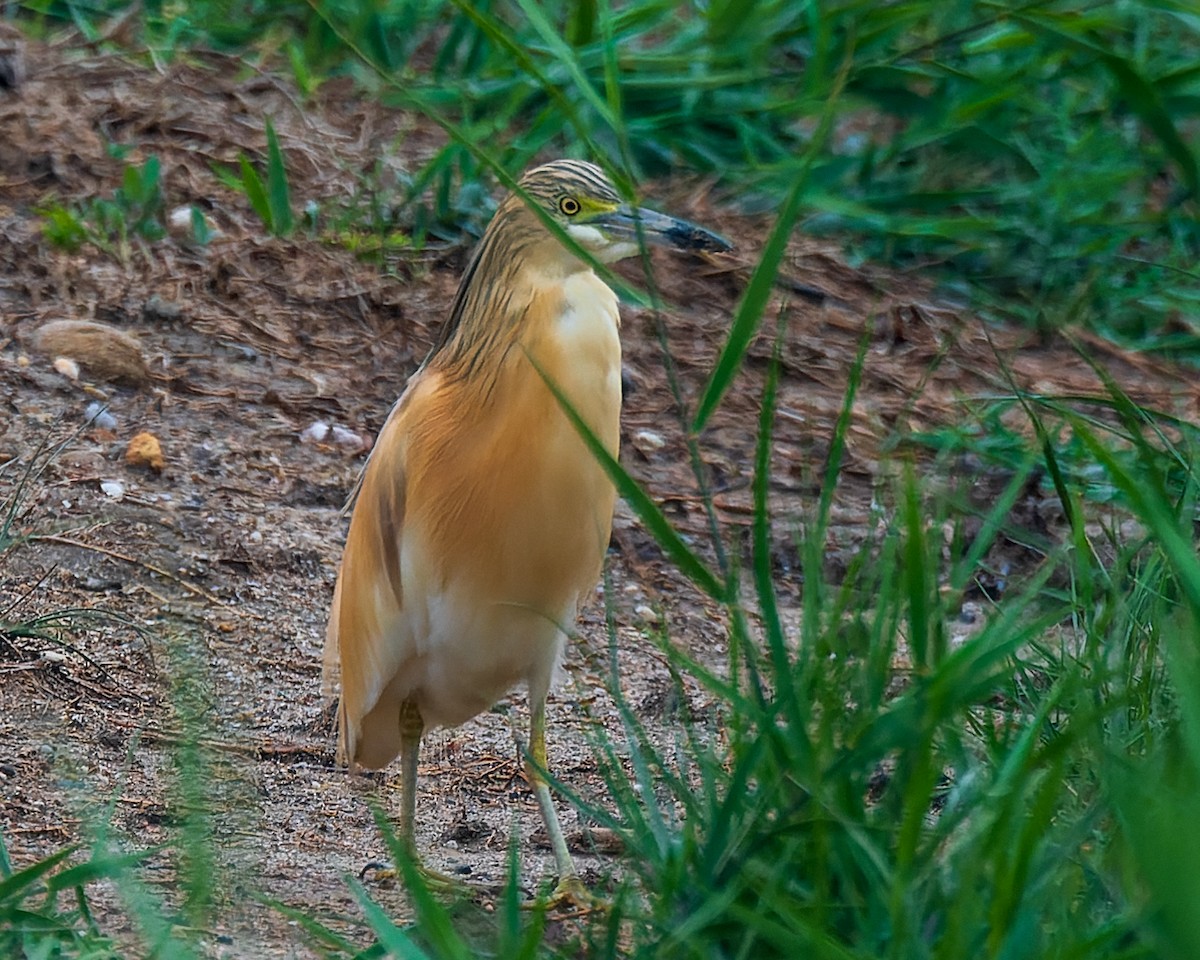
(570, 888)
(411, 727)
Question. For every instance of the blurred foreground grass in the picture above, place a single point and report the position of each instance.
(1040, 156)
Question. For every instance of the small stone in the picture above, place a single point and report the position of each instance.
(191, 227)
(160, 309)
(647, 440)
(114, 489)
(144, 450)
(67, 367)
(96, 414)
(179, 220)
(346, 439)
(315, 432)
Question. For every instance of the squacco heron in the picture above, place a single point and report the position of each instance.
(481, 519)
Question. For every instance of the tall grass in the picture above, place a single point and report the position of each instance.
(866, 786)
(872, 786)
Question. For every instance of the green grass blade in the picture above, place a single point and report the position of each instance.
(22, 880)
(391, 937)
(763, 564)
(646, 509)
(813, 602)
(500, 34)
(917, 588)
(108, 867)
(1144, 98)
(252, 184)
(279, 197)
(5, 862)
(313, 927)
(762, 281)
(754, 301)
(566, 56)
(1152, 506)
(993, 522)
(434, 920)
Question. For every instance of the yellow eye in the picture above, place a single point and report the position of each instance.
(569, 206)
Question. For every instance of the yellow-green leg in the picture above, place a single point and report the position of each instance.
(570, 889)
(412, 727)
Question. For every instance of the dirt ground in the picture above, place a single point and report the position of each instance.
(227, 557)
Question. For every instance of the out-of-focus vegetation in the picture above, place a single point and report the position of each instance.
(1042, 154)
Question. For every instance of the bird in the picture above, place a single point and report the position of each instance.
(481, 518)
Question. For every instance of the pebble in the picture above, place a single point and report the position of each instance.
(649, 440)
(98, 416)
(112, 488)
(67, 367)
(161, 309)
(315, 432)
(179, 221)
(346, 439)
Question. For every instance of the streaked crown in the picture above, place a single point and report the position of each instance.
(570, 188)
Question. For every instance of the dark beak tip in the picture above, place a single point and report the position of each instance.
(688, 236)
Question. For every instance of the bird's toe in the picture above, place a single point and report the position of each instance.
(571, 894)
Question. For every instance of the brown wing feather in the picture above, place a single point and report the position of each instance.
(369, 594)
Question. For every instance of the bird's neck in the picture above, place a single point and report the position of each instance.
(495, 303)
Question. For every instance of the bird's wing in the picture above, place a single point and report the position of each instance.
(399, 405)
(360, 642)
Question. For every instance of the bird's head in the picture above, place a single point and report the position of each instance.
(519, 249)
(582, 200)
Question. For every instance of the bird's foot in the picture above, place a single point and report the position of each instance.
(434, 880)
(570, 894)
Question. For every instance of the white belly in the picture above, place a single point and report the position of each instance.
(474, 654)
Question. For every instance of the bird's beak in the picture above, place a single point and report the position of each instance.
(635, 223)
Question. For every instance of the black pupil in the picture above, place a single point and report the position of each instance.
(569, 206)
